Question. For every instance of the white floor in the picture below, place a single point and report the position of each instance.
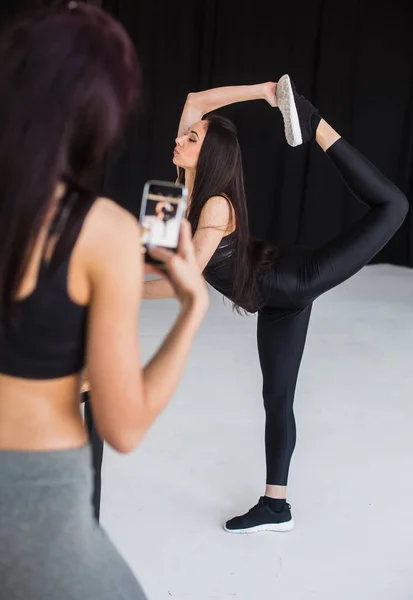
(351, 484)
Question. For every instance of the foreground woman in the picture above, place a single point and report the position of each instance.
(69, 293)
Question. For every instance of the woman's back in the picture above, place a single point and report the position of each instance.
(42, 352)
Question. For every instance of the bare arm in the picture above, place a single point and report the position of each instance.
(213, 225)
(199, 104)
(157, 289)
(127, 398)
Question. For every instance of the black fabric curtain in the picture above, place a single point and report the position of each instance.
(352, 58)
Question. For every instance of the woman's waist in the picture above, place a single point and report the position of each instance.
(40, 416)
(219, 275)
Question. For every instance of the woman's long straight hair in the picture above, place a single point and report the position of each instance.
(69, 77)
(219, 172)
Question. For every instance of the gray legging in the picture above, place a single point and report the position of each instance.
(51, 546)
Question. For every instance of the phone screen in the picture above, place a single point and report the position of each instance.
(163, 207)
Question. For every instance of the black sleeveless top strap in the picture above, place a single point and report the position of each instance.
(48, 339)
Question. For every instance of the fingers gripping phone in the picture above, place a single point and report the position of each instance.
(162, 210)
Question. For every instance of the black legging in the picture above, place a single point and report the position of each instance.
(298, 278)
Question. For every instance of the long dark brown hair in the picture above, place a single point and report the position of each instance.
(219, 172)
(69, 77)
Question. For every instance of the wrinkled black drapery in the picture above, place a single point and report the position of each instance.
(353, 59)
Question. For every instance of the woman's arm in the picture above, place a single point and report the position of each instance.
(213, 225)
(199, 104)
(127, 398)
(158, 289)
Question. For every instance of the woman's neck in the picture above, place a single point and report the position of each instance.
(189, 182)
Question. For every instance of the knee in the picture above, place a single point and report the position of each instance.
(276, 402)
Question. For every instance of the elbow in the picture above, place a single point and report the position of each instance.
(126, 438)
(127, 442)
(125, 428)
(124, 447)
(191, 98)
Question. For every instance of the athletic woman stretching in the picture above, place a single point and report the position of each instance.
(281, 284)
(68, 292)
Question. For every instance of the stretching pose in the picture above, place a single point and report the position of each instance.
(281, 284)
(69, 78)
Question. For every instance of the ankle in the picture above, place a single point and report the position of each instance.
(277, 492)
(326, 136)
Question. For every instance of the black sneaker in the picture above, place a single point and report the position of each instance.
(261, 518)
(301, 118)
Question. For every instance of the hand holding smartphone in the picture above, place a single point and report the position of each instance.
(162, 211)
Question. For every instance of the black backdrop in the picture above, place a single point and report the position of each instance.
(352, 58)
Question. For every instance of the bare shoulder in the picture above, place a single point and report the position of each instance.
(109, 239)
(217, 212)
(218, 205)
(109, 227)
(109, 217)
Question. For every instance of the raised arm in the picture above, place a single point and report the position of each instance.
(325, 267)
(199, 104)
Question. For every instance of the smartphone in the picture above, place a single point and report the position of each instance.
(162, 210)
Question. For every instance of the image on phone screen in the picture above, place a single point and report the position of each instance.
(162, 211)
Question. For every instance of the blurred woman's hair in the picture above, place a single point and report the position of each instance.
(69, 78)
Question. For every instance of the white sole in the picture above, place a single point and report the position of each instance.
(286, 104)
(278, 527)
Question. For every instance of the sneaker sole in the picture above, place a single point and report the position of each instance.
(278, 527)
(286, 104)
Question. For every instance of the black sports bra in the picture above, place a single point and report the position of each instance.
(49, 337)
(223, 251)
(218, 271)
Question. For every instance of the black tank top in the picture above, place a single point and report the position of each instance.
(218, 272)
(48, 339)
